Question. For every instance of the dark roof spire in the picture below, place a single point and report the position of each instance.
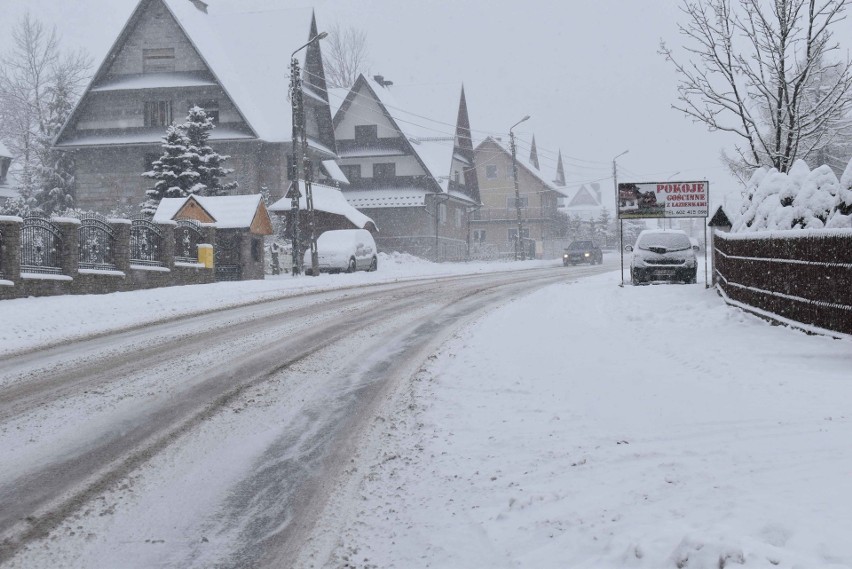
(464, 147)
(560, 171)
(534, 155)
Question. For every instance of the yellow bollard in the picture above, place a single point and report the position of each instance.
(205, 255)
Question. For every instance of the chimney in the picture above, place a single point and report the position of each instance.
(200, 4)
(380, 79)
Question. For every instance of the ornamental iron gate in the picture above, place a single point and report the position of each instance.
(228, 257)
(41, 246)
(146, 243)
(188, 235)
(97, 243)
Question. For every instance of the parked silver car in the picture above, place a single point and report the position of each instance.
(344, 250)
(663, 255)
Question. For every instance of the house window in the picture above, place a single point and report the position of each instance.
(384, 170)
(256, 249)
(160, 60)
(513, 233)
(510, 201)
(491, 171)
(158, 113)
(211, 109)
(351, 171)
(456, 177)
(478, 235)
(366, 133)
(442, 213)
(459, 218)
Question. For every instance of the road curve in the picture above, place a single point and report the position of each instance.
(137, 393)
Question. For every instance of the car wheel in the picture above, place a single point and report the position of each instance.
(351, 267)
(374, 265)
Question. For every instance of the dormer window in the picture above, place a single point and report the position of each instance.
(160, 60)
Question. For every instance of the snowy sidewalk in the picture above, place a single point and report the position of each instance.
(594, 426)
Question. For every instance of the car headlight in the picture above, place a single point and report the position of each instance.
(585, 254)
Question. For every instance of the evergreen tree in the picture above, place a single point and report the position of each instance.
(173, 171)
(54, 188)
(204, 160)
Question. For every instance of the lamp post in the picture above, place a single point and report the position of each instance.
(519, 249)
(617, 207)
(303, 162)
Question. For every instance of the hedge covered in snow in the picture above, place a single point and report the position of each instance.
(799, 199)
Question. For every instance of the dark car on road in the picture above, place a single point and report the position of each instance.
(582, 252)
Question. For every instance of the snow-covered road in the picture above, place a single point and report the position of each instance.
(211, 439)
(588, 425)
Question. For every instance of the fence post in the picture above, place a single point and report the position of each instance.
(168, 230)
(10, 252)
(70, 230)
(121, 254)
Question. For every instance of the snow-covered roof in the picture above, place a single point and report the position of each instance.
(230, 212)
(7, 192)
(386, 197)
(334, 172)
(153, 81)
(4, 152)
(246, 44)
(524, 163)
(327, 199)
(433, 139)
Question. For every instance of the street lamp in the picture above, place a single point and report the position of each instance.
(300, 138)
(617, 208)
(518, 244)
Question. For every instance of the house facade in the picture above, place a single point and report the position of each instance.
(417, 183)
(495, 225)
(176, 54)
(6, 192)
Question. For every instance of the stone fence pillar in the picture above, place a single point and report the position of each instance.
(121, 253)
(69, 228)
(167, 228)
(10, 248)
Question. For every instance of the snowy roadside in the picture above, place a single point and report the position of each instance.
(637, 427)
(28, 323)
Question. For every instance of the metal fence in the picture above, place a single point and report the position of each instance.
(188, 236)
(41, 246)
(97, 243)
(803, 276)
(228, 258)
(2, 254)
(146, 243)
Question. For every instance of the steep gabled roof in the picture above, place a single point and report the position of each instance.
(522, 163)
(430, 141)
(228, 212)
(246, 45)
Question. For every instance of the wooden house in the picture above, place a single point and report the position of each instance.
(226, 57)
(415, 177)
(241, 222)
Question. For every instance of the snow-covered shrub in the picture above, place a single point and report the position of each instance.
(816, 199)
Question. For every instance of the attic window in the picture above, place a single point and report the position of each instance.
(160, 60)
(158, 113)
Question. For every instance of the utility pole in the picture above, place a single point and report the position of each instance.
(519, 247)
(618, 213)
(300, 138)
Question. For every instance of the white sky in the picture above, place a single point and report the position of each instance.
(588, 72)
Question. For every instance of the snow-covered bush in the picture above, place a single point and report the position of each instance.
(799, 199)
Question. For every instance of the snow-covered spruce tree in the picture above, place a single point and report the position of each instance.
(54, 191)
(173, 171)
(842, 214)
(204, 160)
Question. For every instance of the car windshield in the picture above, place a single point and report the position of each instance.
(581, 245)
(667, 241)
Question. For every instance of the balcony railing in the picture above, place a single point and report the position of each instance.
(511, 214)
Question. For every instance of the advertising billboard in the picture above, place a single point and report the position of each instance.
(663, 199)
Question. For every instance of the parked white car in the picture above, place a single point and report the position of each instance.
(346, 250)
(663, 255)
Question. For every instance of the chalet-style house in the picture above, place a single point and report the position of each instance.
(226, 57)
(495, 225)
(241, 223)
(415, 177)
